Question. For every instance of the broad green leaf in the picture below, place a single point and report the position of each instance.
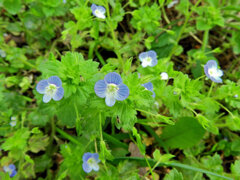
(185, 133)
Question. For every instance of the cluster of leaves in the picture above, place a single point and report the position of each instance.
(190, 128)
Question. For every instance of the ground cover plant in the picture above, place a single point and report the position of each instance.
(115, 89)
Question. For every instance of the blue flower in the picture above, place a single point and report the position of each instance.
(111, 88)
(90, 162)
(148, 58)
(51, 88)
(212, 72)
(149, 86)
(98, 11)
(10, 169)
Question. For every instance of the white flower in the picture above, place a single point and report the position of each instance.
(98, 11)
(164, 76)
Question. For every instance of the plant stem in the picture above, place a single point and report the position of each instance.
(210, 90)
(205, 40)
(100, 57)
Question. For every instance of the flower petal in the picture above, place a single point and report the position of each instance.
(122, 93)
(113, 78)
(59, 94)
(12, 166)
(101, 9)
(216, 79)
(96, 157)
(14, 172)
(154, 62)
(211, 63)
(152, 54)
(41, 86)
(86, 167)
(148, 86)
(55, 80)
(142, 56)
(86, 156)
(110, 100)
(46, 98)
(95, 166)
(100, 88)
(93, 7)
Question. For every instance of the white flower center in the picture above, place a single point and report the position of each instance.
(212, 72)
(51, 90)
(99, 14)
(91, 162)
(112, 89)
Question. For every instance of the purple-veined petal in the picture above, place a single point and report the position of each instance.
(142, 56)
(59, 94)
(211, 63)
(41, 86)
(113, 78)
(152, 54)
(12, 166)
(216, 79)
(148, 86)
(96, 157)
(86, 167)
(86, 156)
(101, 9)
(13, 173)
(110, 100)
(100, 88)
(46, 98)
(154, 62)
(93, 7)
(55, 80)
(122, 93)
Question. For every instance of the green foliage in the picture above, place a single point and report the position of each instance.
(174, 175)
(197, 121)
(146, 18)
(185, 133)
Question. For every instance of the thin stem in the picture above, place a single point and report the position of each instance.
(165, 15)
(226, 109)
(210, 90)
(205, 40)
(149, 168)
(67, 136)
(100, 57)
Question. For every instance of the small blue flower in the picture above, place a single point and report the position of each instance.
(212, 72)
(90, 162)
(149, 86)
(111, 88)
(98, 11)
(10, 169)
(148, 58)
(51, 88)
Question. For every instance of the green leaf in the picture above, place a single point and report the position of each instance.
(185, 133)
(38, 142)
(213, 163)
(18, 141)
(12, 6)
(174, 175)
(146, 18)
(235, 168)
